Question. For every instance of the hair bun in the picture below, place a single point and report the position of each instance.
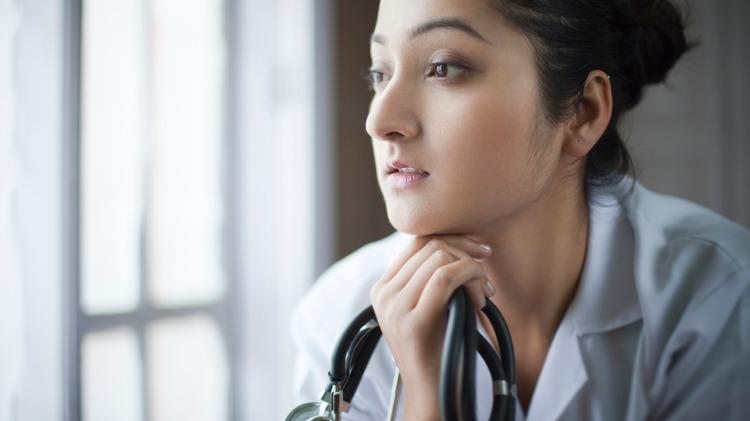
(662, 40)
(653, 38)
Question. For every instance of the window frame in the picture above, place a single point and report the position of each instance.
(77, 323)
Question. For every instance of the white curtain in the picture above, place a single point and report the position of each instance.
(10, 289)
(31, 279)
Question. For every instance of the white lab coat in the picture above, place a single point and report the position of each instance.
(659, 328)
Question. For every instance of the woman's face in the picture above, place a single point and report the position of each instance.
(456, 95)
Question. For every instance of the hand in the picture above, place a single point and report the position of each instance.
(410, 302)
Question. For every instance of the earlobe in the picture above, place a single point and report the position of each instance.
(592, 115)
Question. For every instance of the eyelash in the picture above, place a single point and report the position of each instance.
(371, 75)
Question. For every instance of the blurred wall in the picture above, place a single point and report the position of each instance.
(689, 137)
(361, 210)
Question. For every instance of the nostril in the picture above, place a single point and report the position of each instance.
(390, 124)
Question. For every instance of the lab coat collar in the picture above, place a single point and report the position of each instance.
(606, 299)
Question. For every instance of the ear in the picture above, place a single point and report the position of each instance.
(591, 117)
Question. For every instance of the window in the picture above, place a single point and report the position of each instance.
(153, 284)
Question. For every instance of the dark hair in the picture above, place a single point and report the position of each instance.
(636, 42)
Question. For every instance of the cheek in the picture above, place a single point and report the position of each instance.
(486, 140)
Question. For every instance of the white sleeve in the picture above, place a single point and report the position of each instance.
(311, 363)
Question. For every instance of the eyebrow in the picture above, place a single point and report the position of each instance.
(446, 23)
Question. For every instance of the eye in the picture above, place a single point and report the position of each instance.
(444, 70)
(374, 78)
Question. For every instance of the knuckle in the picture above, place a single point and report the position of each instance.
(441, 255)
(480, 266)
(442, 276)
(436, 244)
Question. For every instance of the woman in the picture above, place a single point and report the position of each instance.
(622, 304)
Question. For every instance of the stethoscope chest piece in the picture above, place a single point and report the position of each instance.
(311, 411)
(322, 410)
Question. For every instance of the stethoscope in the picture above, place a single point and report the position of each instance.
(357, 344)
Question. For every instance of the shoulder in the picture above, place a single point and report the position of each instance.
(675, 224)
(679, 243)
(684, 249)
(343, 290)
(681, 246)
(692, 275)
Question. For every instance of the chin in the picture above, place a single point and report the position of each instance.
(419, 224)
(412, 223)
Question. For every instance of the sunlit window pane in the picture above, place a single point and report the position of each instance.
(111, 376)
(112, 154)
(185, 211)
(188, 378)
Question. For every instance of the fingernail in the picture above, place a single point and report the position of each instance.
(490, 288)
(487, 249)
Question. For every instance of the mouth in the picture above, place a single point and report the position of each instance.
(402, 175)
(400, 167)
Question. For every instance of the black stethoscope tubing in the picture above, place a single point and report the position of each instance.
(358, 342)
(502, 370)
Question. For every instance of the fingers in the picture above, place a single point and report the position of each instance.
(443, 283)
(473, 248)
(476, 292)
(400, 260)
(413, 269)
(441, 257)
(410, 293)
(459, 246)
(424, 275)
(407, 272)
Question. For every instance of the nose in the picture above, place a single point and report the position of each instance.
(392, 113)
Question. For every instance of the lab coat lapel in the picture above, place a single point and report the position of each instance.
(606, 300)
(562, 376)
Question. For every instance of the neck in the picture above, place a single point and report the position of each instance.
(537, 260)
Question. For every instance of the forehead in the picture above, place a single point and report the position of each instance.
(397, 19)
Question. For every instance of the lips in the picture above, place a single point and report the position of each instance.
(396, 165)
